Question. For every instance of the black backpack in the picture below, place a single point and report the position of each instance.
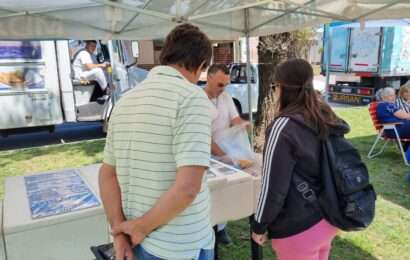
(347, 198)
(344, 196)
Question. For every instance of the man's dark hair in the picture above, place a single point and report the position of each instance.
(187, 47)
(90, 41)
(218, 67)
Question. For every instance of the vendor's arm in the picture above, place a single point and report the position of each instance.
(239, 121)
(233, 112)
(87, 61)
(216, 150)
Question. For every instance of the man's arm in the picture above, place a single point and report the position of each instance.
(402, 114)
(90, 66)
(239, 121)
(111, 197)
(110, 194)
(170, 204)
(216, 150)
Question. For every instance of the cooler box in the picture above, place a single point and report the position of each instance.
(65, 236)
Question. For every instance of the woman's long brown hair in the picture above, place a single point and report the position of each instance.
(295, 78)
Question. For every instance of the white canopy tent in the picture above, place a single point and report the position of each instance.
(153, 19)
(150, 19)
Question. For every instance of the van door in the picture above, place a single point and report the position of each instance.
(119, 62)
(66, 86)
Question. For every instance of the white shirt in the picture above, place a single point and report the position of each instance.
(225, 110)
(82, 58)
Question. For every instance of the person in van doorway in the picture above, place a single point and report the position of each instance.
(152, 180)
(292, 150)
(86, 67)
(224, 115)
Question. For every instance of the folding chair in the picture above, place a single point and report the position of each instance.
(381, 135)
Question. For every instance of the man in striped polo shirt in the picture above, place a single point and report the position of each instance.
(152, 181)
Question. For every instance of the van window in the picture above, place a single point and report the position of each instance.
(21, 66)
(238, 74)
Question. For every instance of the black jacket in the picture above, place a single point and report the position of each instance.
(291, 146)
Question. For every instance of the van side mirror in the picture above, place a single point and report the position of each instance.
(135, 49)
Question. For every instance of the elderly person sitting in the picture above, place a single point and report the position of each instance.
(389, 112)
(403, 100)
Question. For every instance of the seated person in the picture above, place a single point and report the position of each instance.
(86, 67)
(403, 100)
(389, 112)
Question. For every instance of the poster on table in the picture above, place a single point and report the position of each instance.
(20, 78)
(58, 193)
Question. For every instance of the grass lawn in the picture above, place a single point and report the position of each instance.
(387, 238)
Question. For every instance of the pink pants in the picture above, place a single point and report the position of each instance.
(312, 244)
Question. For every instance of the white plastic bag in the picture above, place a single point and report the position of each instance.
(235, 143)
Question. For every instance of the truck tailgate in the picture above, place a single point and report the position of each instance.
(364, 49)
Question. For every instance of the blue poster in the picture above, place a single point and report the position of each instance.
(57, 193)
(20, 50)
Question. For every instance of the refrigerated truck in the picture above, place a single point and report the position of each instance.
(365, 58)
(37, 89)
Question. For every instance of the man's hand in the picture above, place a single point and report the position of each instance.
(259, 239)
(226, 159)
(105, 65)
(123, 248)
(133, 228)
(245, 124)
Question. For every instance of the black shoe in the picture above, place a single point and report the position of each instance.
(103, 99)
(223, 237)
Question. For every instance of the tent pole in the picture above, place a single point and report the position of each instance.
(256, 250)
(248, 73)
(328, 60)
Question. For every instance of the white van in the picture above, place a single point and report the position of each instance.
(238, 88)
(37, 90)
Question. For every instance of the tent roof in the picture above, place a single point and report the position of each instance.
(151, 19)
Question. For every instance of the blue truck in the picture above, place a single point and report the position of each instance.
(365, 58)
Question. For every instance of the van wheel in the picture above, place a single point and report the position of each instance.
(238, 106)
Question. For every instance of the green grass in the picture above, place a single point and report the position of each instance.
(19, 162)
(387, 238)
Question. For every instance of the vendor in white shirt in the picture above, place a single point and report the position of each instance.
(224, 115)
(86, 67)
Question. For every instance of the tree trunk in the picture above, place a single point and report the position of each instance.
(272, 50)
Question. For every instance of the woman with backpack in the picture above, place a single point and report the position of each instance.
(288, 211)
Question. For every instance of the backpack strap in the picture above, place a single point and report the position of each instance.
(304, 188)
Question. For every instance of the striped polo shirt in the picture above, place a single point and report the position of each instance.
(161, 125)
